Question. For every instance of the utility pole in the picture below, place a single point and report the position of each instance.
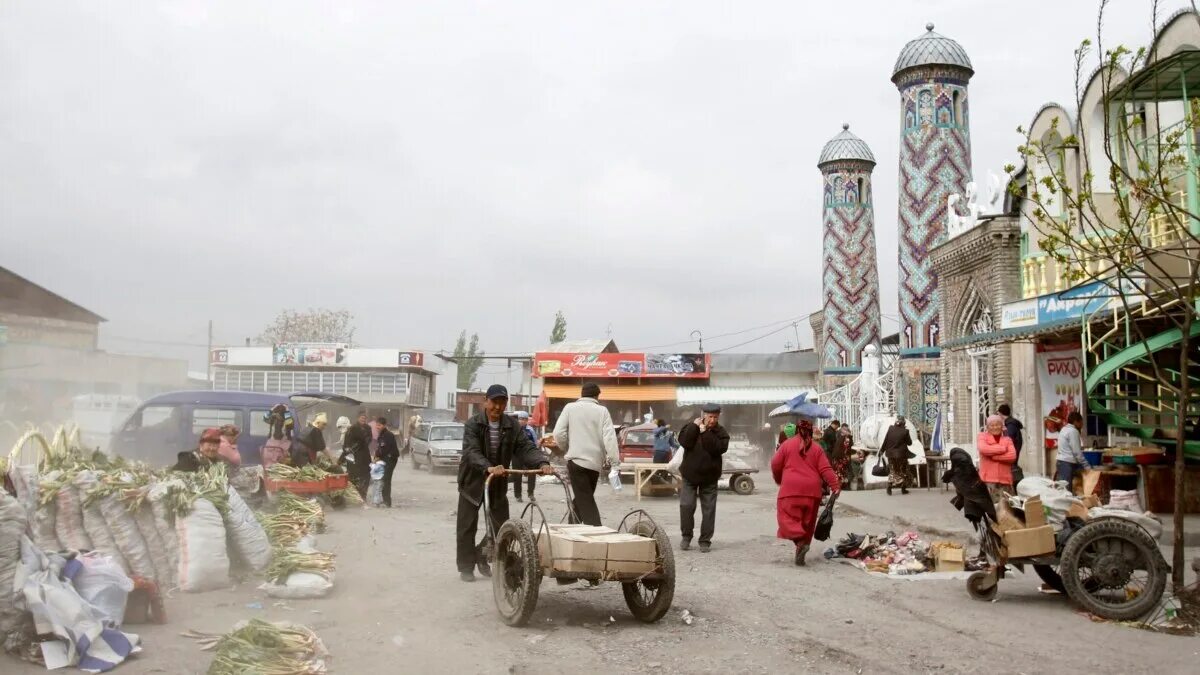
(208, 356)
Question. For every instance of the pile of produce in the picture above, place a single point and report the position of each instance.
(297, 569)
(265, 648)
(176, 529)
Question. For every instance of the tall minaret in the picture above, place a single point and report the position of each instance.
(931, 73)
(850, 274)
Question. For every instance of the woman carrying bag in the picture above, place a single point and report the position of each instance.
(801, 469)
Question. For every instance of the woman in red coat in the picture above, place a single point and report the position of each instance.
(800, 468)
(996, 457)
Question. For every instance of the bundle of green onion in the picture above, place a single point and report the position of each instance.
(259, 647)
(283, 529)
(308, 509)
(307, 473)
(347, 494)
(287, 561)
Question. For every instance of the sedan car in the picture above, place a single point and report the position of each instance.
(437, 445)
(636, 443)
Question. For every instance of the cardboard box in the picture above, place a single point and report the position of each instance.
(950, 560)
(1078, 510)
(1031, 541)
(571, 552)
(1006, 519)
(629, 553)
(1091, 501)
(1035, 513)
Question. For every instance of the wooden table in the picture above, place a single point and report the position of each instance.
(642, 473)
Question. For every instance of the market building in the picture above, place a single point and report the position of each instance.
(391, 382)
(51, 362)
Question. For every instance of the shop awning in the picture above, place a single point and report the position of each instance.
(685, 396)
(1021, 334)
(614, 392)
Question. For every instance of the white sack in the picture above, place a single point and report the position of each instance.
(203, 561)
(250, 544)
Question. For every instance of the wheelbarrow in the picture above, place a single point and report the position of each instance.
(518, 568)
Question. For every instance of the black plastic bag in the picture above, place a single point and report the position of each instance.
(825, 521)
(881, 466)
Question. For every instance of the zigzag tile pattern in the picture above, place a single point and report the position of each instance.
(850, 280)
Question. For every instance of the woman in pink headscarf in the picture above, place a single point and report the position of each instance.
(996, 456)
(800, 468)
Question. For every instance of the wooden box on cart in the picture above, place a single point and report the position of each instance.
(629, 553)
(573, 546)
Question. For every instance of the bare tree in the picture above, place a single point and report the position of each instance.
(311, 325)
(1138, 238)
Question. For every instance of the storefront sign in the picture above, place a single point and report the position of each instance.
(1073, 303)
(1020, 314)
(218, 357)
(411, 359)
(309, 354)
(1060, 379)
(552, 364)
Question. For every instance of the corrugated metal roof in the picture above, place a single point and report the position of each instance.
(591, 346)
(614, 392)
(932, 49)
(846, 146)
(685, 396)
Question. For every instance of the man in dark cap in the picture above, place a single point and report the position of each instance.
(491, 441)
(704, 442)
(584, 432)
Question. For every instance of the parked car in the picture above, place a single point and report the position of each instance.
(168, 424)
(437, 445)
(636, 443)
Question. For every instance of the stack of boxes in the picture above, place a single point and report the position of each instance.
(594, 549)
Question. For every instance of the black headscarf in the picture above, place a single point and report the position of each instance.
(972, 496)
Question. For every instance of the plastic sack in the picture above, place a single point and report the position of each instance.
(126, 536)
(1124, 499)
(299, 585)
(249, 539)
(164, 523)
(143, 517)
(104, 585)
(1055, 496)
(203, 561)
(13, 521)
(1149, 523)
(676, 461)
(68, 520)
(94, 523)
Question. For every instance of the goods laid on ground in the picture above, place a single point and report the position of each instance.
(13, 523)
(902, 554)
(265, 648)
(297, 569)
(203, 560)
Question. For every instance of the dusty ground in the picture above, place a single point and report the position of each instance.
(400, 607)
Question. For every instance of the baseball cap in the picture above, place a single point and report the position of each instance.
(497, 391)
(522, 415)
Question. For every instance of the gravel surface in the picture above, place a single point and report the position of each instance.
(399, 606)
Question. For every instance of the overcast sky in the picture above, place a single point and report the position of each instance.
(647, 167)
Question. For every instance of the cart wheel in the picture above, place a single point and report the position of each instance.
(516, 572)
(975, 587)
(1050, 575)
(1113, 569)
(742, 484)
(650, 599)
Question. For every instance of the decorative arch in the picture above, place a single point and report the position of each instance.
(974, 315)
(1175, 28)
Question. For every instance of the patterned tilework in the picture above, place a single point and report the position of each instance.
(935, 161)
(850, 274)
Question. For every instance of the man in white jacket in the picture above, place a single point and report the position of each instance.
(584, 432)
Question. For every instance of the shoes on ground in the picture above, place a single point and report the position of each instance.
(685, 544)
(484, 568)
(466, 576)
(705, 548)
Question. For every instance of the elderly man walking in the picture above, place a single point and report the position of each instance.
(704, 442)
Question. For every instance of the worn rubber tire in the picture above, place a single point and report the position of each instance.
(521, 565)
(975, 587)
(1051, 577)
(665, 588)
(1130, 533)
(742, 484)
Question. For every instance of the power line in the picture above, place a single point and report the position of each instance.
(738, 332)
(740, 344)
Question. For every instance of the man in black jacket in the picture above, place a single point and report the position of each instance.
(389, 454)
(704, 441)
(357, 446)
(491, 441)
(1012, 428)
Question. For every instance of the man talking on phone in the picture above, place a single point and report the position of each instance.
(491, 441)
(704, 442)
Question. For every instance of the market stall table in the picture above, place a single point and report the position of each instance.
(642, 473)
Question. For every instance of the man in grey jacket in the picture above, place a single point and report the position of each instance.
(584, 432)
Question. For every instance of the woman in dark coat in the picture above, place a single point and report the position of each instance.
(801, 469)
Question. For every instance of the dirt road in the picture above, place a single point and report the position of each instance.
(400, 607)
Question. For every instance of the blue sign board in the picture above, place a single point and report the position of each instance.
(1073, 303)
